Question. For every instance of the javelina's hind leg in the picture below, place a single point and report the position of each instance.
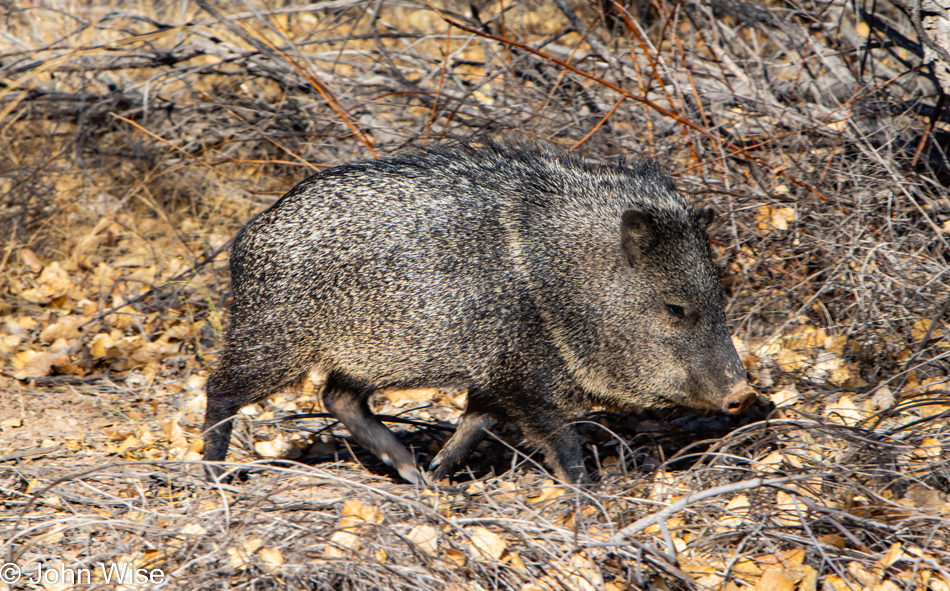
(217, 429)
(562, 449)
(351, 409)
(470, 432)
(236, 383)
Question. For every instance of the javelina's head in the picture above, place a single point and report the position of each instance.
(637, 310)
(675, 306)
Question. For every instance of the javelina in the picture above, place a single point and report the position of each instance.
(542, 281)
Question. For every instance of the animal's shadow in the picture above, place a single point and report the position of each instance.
(626, 442)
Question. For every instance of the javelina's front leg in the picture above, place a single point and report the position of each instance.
(470, 432)
(351, 409)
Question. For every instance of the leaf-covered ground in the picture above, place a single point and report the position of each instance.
(136, 139)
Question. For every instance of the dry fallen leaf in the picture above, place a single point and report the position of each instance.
(340, 541)
(548, 493)
(843, 412)
(100, 345)
(54, 282)
(791, 558)
(426, 538)
(10, 343)
(11, 423)
(514, 560)
(487, 543)
(836, 344)
(746, 567)
(238, 558)
(930, 448)
(838, 126)
(776, 579)
(32, 262)
(778, 460)
(53, 537)
(809, 580)
(922, 327)
(785, 509)
(145, 435)
(279, 447)
(193, 529)
(893, 554)
(787, 396)
(403, 397)
(251, 545)
(774, 218)
(356, 513)
(34, 296)
(711, 581)
(883, 399)
(178, 445)
(65, 328)
(454, 557)
(790, 361)
(806, 337)
(31, 364)
(861, 574)
(270, 559)
(738, 508)
(72, 445)
(584, 574)
(26, 323)
(174, 433)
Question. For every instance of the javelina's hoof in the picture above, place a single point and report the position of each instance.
(575, 475)
(438, 471)
(397, 457)
(413, 475)
(215, 473)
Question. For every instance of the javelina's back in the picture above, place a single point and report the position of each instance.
(504, 268)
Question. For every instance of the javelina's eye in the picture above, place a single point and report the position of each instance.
(677, 311)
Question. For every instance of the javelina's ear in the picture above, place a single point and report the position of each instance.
(637, 233)
(705, 216)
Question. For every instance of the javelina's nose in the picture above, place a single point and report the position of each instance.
(739, 399)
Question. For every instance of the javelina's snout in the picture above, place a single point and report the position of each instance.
(739, 399)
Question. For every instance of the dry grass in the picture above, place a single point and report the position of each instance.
(137, 138)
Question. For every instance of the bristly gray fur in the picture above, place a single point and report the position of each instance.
(543, 281)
